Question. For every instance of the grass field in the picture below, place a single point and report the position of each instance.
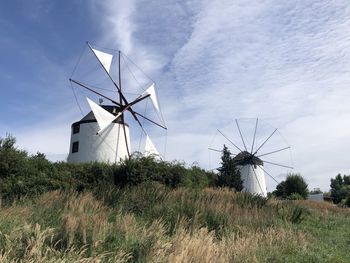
(151, 223)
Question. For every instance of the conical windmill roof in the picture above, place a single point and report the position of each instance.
(245, 157)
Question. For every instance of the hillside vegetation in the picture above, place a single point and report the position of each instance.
(22, 174)
(152, 223)
(146, 210)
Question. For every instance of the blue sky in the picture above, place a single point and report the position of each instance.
(286, 62)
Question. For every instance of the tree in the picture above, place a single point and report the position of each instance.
(294, 184)
(13, 161)
(340, 188)
(228, 173)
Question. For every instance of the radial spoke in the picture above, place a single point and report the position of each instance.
(120, 78)
(220, 151)
(281, 165)
(274, 151)
(128, 107)
(122, 97)
(269, 174)
(256, 177)
(86, 87)
(230, 141)
(125, 137)
(256, 126)
(138, 99)
(117, 148)
(248, 178)
(139, 114)
(215, 150)
(110, 77)
(240, 133)
(268, 138)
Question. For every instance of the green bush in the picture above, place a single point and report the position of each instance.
(245, 199)
(24, 175)
(340, 188)
(295, 196)
(139, 169)
(294, 184)
(347, 201)
(291, 212)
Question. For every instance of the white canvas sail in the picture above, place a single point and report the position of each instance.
(103, 117)
(104, 58)
(152, 92)
(150, 149)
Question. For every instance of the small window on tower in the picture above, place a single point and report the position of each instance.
(76, 128)
(75, 147)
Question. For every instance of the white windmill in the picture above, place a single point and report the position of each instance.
(103, 135)
(249, 162)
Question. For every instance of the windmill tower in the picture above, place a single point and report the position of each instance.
(251, 169)
(103, 135)
(87, 145)
(249, 162)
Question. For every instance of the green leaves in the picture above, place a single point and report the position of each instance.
(25, 175)
(340, 189)
(293, 185)
(228, 174)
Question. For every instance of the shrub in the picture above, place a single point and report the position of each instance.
(248, 200)
(347, 201)
(291, 212)
(21, 174)
(294, 184)
(340, 188)
(295, 196)
(13, 162)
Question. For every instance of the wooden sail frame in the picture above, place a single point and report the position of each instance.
(123, 104)
(253, 154)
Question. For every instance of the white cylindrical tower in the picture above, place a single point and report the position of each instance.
(253, 179)
(108, 146)
(252, 173)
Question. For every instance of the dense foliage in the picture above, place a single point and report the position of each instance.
(294, 187)
(229, 176)
(340, 189)
(139, 169)
(23, 174)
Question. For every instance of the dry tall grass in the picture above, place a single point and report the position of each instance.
(89, 231)
(202, 245)
(32, 244)
(324, 207)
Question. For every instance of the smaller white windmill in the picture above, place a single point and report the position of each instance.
(249, 163)
(103, 135)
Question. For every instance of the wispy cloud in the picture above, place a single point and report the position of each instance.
(285, 62)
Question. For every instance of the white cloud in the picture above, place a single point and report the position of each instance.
(118, 25)
(285, 62)
(50, 137)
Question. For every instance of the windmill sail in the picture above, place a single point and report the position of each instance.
(114, 144)
(149, 147)
(152, 92)
(103, 117)
(104, 58)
